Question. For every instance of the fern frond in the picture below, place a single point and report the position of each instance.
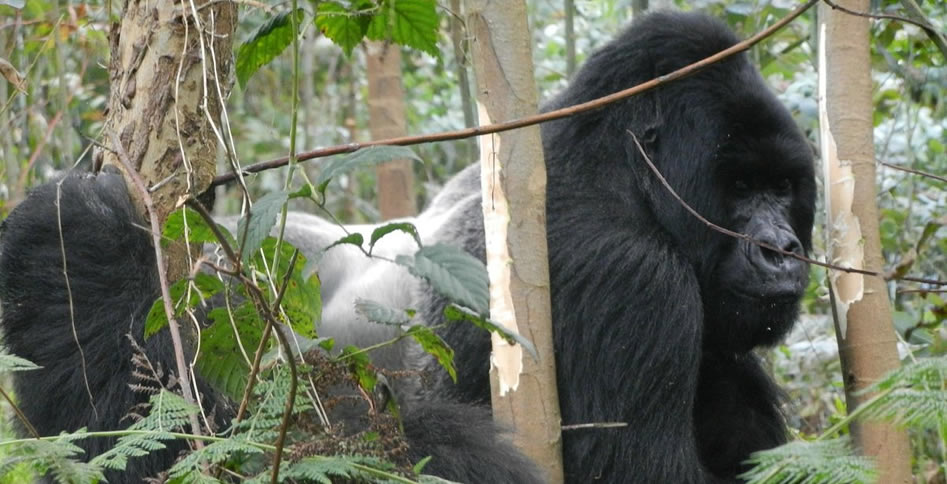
(828, 462)
(923, 373)
(10, 362)
(211, 454)
(59, 458)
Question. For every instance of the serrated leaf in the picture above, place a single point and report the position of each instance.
(452, 272)
(346, 29)
(433, 345)
(266, 44)
(386, 229)
(365, 157)
(204, 285)
(220, 362)
(379, 313)
(413, 23)
(262, 220)
(454, 312)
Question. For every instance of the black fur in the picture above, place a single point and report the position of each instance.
(655, 315)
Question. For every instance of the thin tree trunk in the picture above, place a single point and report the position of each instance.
(514, 195)
(569, 7)
(867, 342)
(387, 120)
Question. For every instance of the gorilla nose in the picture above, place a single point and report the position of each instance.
(780, 239)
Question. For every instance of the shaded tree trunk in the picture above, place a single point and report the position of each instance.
(524, 391)
(387, 120)
(867, 342)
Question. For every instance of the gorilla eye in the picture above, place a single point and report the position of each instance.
(741, 186)
(784, 186)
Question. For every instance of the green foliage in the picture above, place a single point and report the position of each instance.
(452, 272)
(186, 294)
(58, 457)
(435, 346)
(267, 42)
(302, 299)
(191, 466)
(363, 158)
(10, 363)
(378, 313)
(386, 229)
(259, 222)
(227, 347)
(412, 23)
(913, 395)
(188, 220)
(828, 462)
(454, 312)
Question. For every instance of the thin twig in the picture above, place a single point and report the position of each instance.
(534, 119)
(928, 29)
(20, 415)
(912, 170)
(173, 327)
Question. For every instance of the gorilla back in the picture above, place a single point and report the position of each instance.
(655, 315)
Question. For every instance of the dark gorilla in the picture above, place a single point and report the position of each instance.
(655, 314)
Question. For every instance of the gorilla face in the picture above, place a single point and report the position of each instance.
(751, 294)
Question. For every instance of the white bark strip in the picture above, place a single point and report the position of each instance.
(843, 235)
(506, 358)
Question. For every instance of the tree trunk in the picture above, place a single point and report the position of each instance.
(386, 120)
(158, 72)
(867, 342)
(514, 195)
(165, 99)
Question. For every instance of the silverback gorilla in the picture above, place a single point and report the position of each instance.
(655, 314)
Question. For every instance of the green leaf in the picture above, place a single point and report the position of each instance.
(221, 362)
(265, 44)
(451, 272)
(262, 219)
(413, 23)
(346, 29)
(354, 238)
(433, 345)
(830, 461)
(365, 157)
(302, 301)
(198, 230)
(205, 286)
(386, 229)
(454, 312)
(378, 313)
(360, 364)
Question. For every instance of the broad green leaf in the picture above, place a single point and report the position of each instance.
(206, 286)
(262, 219)
(266, 43)
(451, 272)
(363, 158)
(386, 229)
(378, 313)
(344, 27)
(454, 312)
(198, 230)
(412, 23)
(220, 362)
(436, 347)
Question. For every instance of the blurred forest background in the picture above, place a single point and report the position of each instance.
(60, 48)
